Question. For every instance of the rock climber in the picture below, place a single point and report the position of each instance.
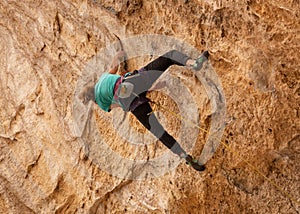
(129, 93)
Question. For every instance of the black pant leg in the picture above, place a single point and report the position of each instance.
(163, 62)
(153, 125)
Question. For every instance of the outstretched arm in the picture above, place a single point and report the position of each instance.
(119, 57)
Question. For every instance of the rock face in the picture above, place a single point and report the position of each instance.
(51, 150)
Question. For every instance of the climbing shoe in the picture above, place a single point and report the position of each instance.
(194, 163)
(200, 60)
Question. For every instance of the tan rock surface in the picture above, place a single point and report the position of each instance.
(50, 163)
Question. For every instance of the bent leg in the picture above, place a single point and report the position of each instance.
(151, 72)
(163, 62)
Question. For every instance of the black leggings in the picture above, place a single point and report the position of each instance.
(163, 62)
(142, 111)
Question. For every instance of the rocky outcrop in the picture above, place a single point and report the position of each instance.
(59, 156)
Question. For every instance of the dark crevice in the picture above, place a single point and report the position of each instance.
(57, 25)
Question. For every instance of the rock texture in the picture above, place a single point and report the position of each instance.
(46, 167)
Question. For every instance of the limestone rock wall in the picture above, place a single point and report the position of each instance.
(46, 167)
